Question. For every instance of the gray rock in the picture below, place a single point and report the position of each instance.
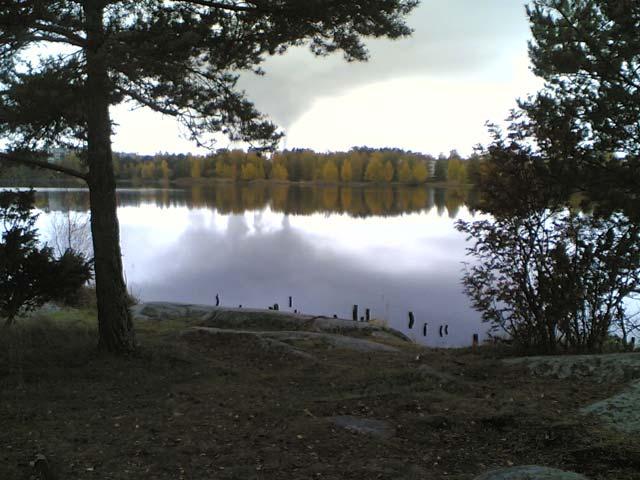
(336, 341)
(599, 368)
(263, 320)
(529, 472)
(621, 412)
(366, 426)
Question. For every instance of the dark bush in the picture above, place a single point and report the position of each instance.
(30, 275)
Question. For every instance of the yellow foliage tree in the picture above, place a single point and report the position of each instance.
(148, 170)
(388, 172)
(249, 172)
(279, 172)
(330, 172)
(166, 171)
(375, 169)
(456, 171)
(420, 172)
(346, 173)
(404, 172)
(221, 169)
(195, 165)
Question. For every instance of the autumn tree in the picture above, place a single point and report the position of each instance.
(389, 171)
(148, 170)
(249, 172)
(179, 58)
(456, 170)
(195, 167)
(346, 172)
(420, 172)
(279, 170)
(358, 161)
(404, 172)
(330, 172)
(165, 170)
(375, 168)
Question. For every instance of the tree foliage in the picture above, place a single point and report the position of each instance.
(550, 274)
(586, 121)
(375, 169)
(551, 277)
(30, 275)
(456, 171)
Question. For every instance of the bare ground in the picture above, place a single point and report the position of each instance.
(196, 405)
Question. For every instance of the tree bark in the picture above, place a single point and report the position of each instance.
(115, 326)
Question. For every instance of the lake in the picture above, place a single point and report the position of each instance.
(392, 250)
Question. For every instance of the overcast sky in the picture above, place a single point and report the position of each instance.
(465, 64)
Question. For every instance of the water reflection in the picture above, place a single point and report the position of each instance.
(388, 249)
(290, 199)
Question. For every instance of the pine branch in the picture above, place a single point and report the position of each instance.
(72, 37)
(13, 158)
(141, 99)
(235, 7)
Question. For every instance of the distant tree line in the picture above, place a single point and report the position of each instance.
(359, 165)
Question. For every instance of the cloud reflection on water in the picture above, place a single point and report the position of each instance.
(260, 258)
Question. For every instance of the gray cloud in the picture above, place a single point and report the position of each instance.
(452, 37)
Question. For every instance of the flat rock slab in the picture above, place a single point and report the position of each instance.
(619, 367)
(336, 341)
(366, 426)
(248, 318)
(530, 472)
(621, 412)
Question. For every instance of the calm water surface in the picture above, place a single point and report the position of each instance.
(392, 250)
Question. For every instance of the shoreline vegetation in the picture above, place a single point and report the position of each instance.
(61, 181)
(358, 167)
(261, 394)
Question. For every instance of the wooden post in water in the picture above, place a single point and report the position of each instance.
(217, 300)
(424, 330)
(412, 320)
(476, 340)
(290, 302)
(367, 314)
(355, 313)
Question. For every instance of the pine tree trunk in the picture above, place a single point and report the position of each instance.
(114, 318)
